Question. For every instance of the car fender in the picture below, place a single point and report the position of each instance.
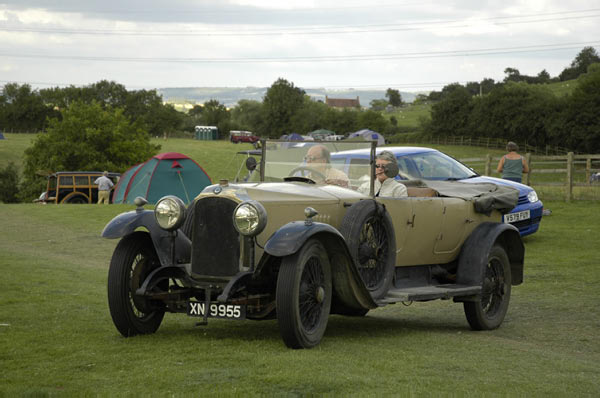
(348, 285)
(127, 223)
(474, 252)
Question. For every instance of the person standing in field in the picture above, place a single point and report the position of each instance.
(512, 165)
(104, 186)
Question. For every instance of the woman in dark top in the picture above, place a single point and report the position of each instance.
(512, 165)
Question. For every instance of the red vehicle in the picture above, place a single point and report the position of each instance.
(237, 136)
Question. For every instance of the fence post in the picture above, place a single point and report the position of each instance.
(528, 161)
(488, 162)
(569, 176)
(588, 170)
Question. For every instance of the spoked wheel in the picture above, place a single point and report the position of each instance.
(488, 312)
(369, 233)
(132, 261)
(304, 295)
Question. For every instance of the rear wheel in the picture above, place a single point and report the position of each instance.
(132, 261)
(77, 200)
(304, 296)
(488, 312)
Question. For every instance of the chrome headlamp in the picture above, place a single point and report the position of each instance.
(169, 212)
(250, 218)
(532, 197)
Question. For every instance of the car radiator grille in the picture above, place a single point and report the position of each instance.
(215, 243)
(523, 200)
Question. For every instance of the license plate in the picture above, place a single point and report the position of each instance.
(216, 310)
(514, 217)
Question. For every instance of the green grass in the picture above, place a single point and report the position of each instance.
(56, 335)
(409, 115)
(13, 147)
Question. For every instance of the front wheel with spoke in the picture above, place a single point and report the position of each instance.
(132, 261)
(488, 311)
(303, 296)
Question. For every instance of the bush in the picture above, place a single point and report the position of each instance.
(9, 183)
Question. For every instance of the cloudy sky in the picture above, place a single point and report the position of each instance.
(411, 45)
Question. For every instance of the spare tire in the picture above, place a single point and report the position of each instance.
(369, 233)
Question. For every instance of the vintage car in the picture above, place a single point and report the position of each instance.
(73, 187)
(430, 164)
(288, 244)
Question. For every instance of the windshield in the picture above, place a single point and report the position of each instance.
(313, 162)
(432, 166)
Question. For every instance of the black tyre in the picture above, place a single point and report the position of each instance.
(304, 296)
(369, 233)
(77, 200)
(488, 313)
(132, 261)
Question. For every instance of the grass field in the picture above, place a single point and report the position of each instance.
(57, 338)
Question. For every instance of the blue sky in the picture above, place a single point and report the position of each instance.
(407, 44)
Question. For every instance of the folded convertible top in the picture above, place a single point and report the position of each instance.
(485, 196)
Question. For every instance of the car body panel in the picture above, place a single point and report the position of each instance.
(404, 154)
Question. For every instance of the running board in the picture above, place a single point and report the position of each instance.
(429, 292)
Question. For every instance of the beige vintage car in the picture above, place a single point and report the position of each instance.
(295, 244)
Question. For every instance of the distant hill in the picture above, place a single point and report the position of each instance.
(229, 96)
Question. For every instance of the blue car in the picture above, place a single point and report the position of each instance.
(430, 164)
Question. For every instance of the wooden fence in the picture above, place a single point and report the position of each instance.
(571, 169)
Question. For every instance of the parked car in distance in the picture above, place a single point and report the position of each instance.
(430, 164)
(74, 187)
(289, 244)
(237, 136)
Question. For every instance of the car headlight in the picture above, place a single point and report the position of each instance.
(532, 196)
(250, 218)
(169, 212)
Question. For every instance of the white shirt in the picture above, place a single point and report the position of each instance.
(389, 188)
(104, 183)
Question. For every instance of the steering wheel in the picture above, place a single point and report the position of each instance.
(309, 169)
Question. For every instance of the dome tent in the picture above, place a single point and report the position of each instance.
(368, 135)
(168, 173)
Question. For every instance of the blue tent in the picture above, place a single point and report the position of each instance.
(368, 135)
(295, 137)
(1, 135)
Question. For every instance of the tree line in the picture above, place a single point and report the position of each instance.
(519, 111)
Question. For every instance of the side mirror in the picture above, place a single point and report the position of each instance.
(251, 164)
(391, 169)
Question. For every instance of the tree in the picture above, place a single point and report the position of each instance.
(394, 97)
(372, 120)
(87, 137)
(22, 109)
(246, 115)
(9, 184)
(512, 75)
(280, 103)
(578, 125)
(579, 65)
(378, 104)
(216, 114)
(515, 111)
(450, 116)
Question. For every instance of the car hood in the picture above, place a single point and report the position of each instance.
(286, 192)
(523, 189)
